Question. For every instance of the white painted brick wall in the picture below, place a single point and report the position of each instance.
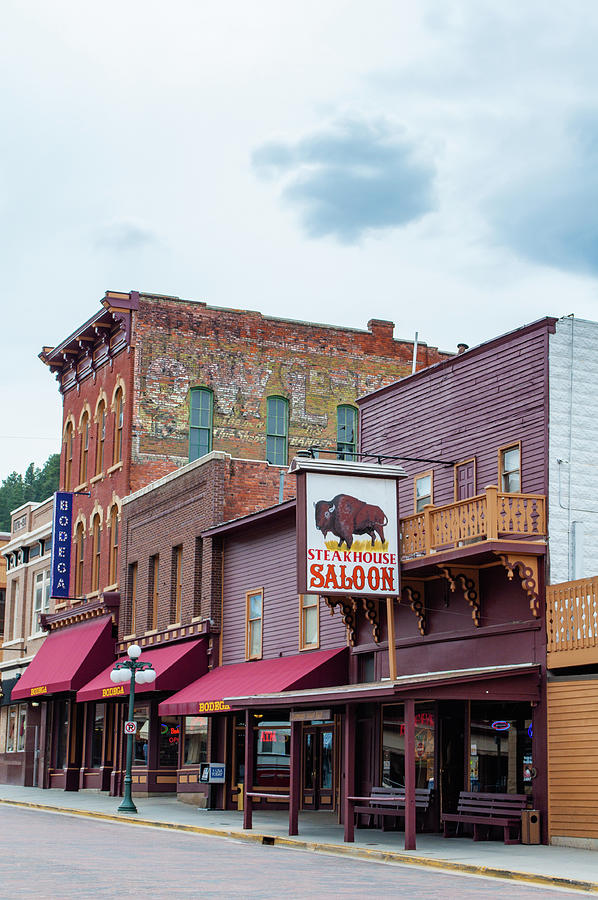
(573, 438)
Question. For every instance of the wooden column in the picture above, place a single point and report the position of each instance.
(390, 629)
(295, 785)
(409, 775)
(491, 512)
(249, 745)
(349, 771)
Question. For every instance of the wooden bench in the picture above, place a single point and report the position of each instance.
(383, 802)
(485, 810)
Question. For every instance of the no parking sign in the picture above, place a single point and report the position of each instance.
(131, 727)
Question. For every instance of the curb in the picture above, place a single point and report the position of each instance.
(589, 887)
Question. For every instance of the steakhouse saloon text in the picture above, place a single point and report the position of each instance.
(348, 570)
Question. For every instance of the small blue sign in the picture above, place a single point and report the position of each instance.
(62, 527)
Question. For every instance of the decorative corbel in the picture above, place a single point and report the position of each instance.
(468, 579)
(527, 569)
(415, 595)
(348, 608)
(370, 606)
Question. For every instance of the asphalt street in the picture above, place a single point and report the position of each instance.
(51, 855)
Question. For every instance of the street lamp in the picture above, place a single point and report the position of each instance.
(134, 672)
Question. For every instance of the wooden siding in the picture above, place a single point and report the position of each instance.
(265, 557)
(573, 758)
(468, 407)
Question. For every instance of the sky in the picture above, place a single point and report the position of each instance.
(432, 163)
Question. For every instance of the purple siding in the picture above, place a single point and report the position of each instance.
(470, 406)
(265, 557)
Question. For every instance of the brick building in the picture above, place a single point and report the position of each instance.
(152, 382)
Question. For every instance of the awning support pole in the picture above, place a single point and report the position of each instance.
(349, 771)
(295, 786)
(409, 775)
(390, 627)
(248, 786)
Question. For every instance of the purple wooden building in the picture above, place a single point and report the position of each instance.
(448, 694)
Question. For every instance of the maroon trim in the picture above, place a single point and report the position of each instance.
(475, 553)
(548, 322)
(245, 521)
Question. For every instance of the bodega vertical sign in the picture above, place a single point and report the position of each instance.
(62, 527)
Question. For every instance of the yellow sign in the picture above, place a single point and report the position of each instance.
(213, 706)
(39, 690)
(113, 691)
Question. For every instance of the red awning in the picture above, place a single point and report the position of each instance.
(68, 658)
(175, 665)
(320, 668)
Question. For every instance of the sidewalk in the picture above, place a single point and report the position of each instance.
(556, 866)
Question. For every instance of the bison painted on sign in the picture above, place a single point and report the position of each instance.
(345, 516)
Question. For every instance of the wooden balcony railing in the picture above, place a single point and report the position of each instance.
(572, 622)
(490, 516)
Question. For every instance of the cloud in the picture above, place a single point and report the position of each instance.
(550, 214)
(124, 236)
(356, 177)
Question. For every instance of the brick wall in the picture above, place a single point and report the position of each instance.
(244, 357)
(173, 512)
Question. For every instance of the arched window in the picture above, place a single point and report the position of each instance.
(68, 455)
(101, 420)
(346, 432)
(84, 448)
(79, 559)
(200, 422)
(117, 451)
(97, 543)
(277, 425)
(114, 544)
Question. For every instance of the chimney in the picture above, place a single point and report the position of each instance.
(461, 348)
(381, 328)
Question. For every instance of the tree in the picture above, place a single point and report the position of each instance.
(36, 484)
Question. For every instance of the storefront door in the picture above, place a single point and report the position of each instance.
(318, 766)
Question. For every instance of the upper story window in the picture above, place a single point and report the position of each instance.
(177, 582)
(83, 459)
(2, 609)
(200, 423)
(79, 558)
(68, 455)
(346, 432)
(97, 549)
(423, 490)
(114, 544)
(154, 583)
(16, 612)
(277, 426)
(101, 420)
(133, 595)
(254, 622)
(41, 598)
(117, 451)
(509, 464)
(309, 628)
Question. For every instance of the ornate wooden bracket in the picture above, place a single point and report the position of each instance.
(527, 569)
(348, 608)
(414, 594)
(468, 579)
(371, 613)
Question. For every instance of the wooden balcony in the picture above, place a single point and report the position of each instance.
(572, 623)
(491, 516)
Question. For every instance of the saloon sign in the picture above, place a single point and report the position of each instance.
(347, 528)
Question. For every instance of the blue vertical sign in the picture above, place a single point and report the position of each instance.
(62, 526)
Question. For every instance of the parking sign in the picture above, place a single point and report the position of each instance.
(131, 727)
